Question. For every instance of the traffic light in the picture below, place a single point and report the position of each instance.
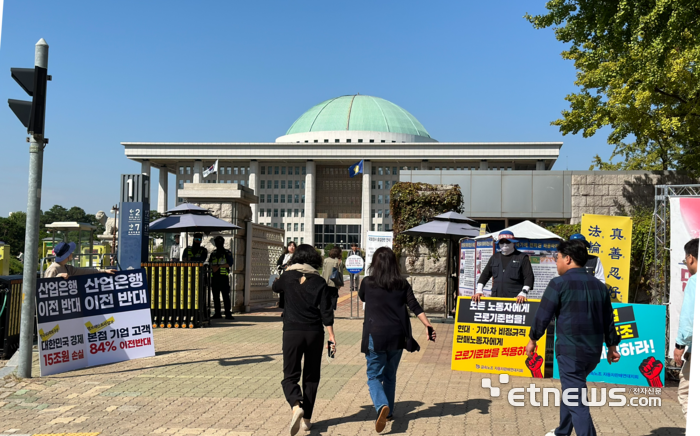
(31, 113)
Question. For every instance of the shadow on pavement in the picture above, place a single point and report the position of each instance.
(404, 413)
(668, 431)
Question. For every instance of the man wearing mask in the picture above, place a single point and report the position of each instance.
(354, 278)
(221, 261)
(195, 252)
(593, 266)
(511, 271)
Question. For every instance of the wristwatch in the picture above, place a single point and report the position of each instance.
(680, 347)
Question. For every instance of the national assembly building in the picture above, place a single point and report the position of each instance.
(301, 180)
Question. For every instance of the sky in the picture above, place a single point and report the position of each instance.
(238, 71)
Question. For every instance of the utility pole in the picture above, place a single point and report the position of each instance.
(32, 116)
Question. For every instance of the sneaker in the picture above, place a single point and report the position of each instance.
(380, 423)
(306, 424)
(551, 433)
(230, 317)
(216, 316)
(297, 414)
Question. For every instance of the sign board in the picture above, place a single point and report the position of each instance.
(377, 240)
(490, 337)
(685, 225)
(544, 267)
(611, 240)
(467, 267)
(643, 331)
(354, 264)
(133, 234)
(92, 320)
(484, 251)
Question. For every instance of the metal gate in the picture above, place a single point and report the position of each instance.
(264, 245)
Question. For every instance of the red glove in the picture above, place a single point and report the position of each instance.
(534, 364)
(651, 370)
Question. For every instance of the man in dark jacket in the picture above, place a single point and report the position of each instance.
(195, 252)
(511, 271)
(585, 319)
(221, 261)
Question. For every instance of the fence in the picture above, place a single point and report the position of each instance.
(264, 245)
(10, 313)
(180, 296)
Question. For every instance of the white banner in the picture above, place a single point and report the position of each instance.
(685, 225)
(376, 240)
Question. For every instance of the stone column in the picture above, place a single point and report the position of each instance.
(253, 184)
(484, 164)
(366, 202)
(310, 202)
(540, 166)
(197, 171)
(163, 189)
(146, 168)
(424, 164)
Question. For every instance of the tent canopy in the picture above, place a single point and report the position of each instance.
(524, 230)
(443, 229)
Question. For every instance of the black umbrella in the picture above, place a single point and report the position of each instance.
(189, 218)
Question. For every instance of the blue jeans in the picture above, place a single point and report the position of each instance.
(573, 374)
(381, 376)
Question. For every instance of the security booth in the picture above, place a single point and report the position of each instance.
(82, 234)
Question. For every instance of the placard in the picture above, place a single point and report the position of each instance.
(354, 264)
(544, 267)
(484, 252)
(467, 267)
(491, 336)
(377, 240)
(92, 320)
(642, 328)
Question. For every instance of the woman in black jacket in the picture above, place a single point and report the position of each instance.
(308, 307)
(386, 331)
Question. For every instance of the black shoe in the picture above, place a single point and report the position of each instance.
(216, 316)
(389, 418)
(380, 423)
(230, 317)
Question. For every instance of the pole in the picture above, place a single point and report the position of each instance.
(31, 240)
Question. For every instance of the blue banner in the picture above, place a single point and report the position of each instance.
(133, 234)
(642, 328)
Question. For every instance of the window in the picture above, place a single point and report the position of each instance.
(325, 140)
(337, 140)
(296, 171)
(371, 140)
(181, 184)
(303, 200)
(262, 170)
(289, 212)
(374, 185)
(289, 171)
(296, 198)
(381, 171)
(284, 170)
(187, 181)
(269, 170)
(303, 184)
(269, 184)
(380, 199)
(277, 184)
(348, 140)
(269, 214)
(379, 213)
(387, 213)
(281, 213)
(380, 184)
(182, 170)
(383, 140)
(277, 170)
(262, 212)
(374, 171)
(228, 181)
(289, 239)
(296, 213)
(296, 241)
(228, 170)
(302, 229)
(283, 198)
(262, 184)
(374, 200)
(289, 198)
(276, 197)
(394, 171)
(222, 170)
(372, 227)
(296, 227)
(275, 213)
(274, 225)
(289, 227)
(374, 212)
(302, 213)
(187, 169)
(296, 184)
(387, 199)
(302, 239)
(284, 184)
(359, 140)
(262, 199)
(242, 182)
(269, 198)
(303, 171)
(387, 227)
(386, 171)
(222, 181)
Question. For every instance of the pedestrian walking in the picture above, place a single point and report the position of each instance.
(308, 309)
(333, 261)
(354, 278)
(221, 261)
(282, 262)
(684, 338)
(593, 265)
(386, 331)
(60, 268)
(584, 315)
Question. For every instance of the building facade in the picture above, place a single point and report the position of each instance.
(302, 182)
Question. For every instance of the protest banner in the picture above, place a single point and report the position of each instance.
(467, 267)
(611, 240)
(377, 240)
(92, 320)
(484, 252)
(642, 328)
(490, 337)
(544, 267)
(685, 225)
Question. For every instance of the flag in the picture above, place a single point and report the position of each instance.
(357, 168)
(212, 169)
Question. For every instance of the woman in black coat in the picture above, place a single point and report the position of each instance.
(386, 331)
(308, 308)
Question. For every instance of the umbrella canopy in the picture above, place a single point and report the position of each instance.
(190, 218)
(187, 208)
(443, 230)
(525, 230)
(455, 218)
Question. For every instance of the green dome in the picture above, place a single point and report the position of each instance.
(358, 113)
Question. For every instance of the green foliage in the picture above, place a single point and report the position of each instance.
(565, 230)
(12, 231)
(327, 249)
(154, 215)
(637, 74)
(413, 204)
(16, 267)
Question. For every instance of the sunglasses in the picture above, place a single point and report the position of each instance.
(504, 241)
(198, 239)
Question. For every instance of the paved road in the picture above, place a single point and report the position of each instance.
(225, 380)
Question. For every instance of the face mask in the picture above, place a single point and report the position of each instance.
(507, 249)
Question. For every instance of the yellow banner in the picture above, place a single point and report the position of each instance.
(611, 240)
(46, 336)
(490, 336)
(96, 328)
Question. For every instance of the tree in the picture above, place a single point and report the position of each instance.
(12, 231)
(638, 73)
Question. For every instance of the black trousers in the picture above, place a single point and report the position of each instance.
(221, 286)
(295, 345)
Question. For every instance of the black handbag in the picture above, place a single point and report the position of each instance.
(337, 278)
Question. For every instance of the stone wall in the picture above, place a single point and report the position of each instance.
(428, 278)
(615, 193)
